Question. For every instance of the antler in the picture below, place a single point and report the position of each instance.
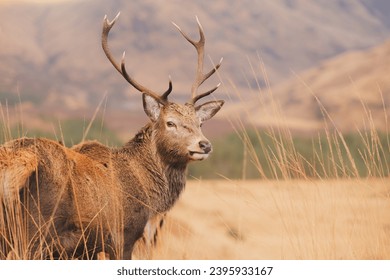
(200, 76)
(107, 25)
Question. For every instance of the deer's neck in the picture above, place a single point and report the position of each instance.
(176, 179)
(167, 179)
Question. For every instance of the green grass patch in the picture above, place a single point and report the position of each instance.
(70, 132)
(259, 154)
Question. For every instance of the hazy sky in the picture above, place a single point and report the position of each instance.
(35, 1)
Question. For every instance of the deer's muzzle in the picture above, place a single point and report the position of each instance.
(202, 150)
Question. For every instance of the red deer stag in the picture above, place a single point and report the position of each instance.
(91, 199)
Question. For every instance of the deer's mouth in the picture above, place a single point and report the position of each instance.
(198, 155)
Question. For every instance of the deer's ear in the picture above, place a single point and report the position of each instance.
(207, 110)
(151, 107)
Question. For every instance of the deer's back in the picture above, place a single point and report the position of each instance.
(66, 181)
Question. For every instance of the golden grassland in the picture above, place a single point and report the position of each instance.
(290, 219)
(301, 215)
(336, 216)
(314, 208)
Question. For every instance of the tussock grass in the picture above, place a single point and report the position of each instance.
(278, 153)
(326, 198)
(285, 219)
(16, 218)
(329, 203)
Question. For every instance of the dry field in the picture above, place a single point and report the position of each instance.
(331, 219)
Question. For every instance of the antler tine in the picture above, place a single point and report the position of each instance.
(200, 76)
(168, 91)
(107, 25)
(199, 96)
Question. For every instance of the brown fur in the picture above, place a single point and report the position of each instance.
(90, 201)
(91, 198)
(15, 168)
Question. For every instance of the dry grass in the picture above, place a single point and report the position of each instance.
(298, 215)
(294, 219)
(335, 216)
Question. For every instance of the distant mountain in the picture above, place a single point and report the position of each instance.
(50, 54)
(353, 89)
(379, 9)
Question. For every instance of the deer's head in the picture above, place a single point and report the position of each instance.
(177, 127)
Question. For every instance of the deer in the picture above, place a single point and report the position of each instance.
(91, 199)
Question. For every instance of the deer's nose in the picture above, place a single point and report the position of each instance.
(205, 146)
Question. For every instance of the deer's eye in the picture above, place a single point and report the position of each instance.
(171, 124)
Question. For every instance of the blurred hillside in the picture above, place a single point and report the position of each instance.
(348, 91)
(51, 55)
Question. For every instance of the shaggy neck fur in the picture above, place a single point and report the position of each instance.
(168, 177)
